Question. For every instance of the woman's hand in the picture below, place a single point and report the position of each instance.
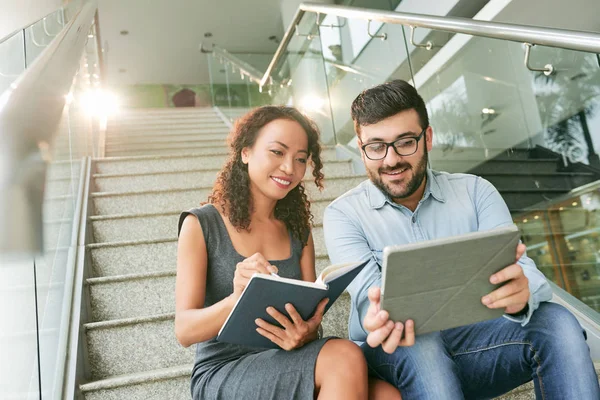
(295, 333)
(245, 269)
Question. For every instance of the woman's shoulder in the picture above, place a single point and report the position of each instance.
(206, 215)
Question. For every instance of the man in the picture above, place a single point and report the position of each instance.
(403, 201)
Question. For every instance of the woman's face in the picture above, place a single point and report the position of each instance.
(277, 161)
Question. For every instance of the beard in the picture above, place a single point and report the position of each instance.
(394, 191)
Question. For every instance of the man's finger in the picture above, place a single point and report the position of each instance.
(374, 294)
(507, 290)
(516, 299)
(374, 321)
(376, 337)
(520, 250)
(409, 334)
(511, 272)
(393, 340)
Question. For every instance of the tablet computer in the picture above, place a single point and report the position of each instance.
(439, 283)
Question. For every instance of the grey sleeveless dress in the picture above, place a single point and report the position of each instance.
(227, 371)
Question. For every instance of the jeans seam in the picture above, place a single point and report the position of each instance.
(463, 352)
(529, 344)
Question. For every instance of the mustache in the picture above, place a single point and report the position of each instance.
(394, 168)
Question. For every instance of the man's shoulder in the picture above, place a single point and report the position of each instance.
(454, 179)
(357, 194)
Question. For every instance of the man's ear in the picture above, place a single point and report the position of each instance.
(429, 138)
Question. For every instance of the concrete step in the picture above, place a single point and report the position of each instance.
(182, 199)
(134, 345)
(559, 180)
(205, 133)
(133, 295)
(198, 178)
(174, 140)
(159, 384)
(521, 199)
(150, 226)
(149, 255)
(185, 161)
(117, 139)
(195, 148)
(154, 128)
(133, 257)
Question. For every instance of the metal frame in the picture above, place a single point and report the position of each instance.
(245, 68)
(561, 38)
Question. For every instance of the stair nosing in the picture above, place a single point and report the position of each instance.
(129, 277)
(133, 215)
(184, 171)
(156, 375)
(94, 246)
(189, 188)
(114, 323)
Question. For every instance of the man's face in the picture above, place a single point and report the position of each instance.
(398, 176)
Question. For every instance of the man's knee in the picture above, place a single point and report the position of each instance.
(554, 327)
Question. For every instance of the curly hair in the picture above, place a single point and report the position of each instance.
(231, 192)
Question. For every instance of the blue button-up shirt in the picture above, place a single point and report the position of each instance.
(361, 222)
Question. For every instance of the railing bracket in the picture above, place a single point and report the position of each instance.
(548, 68)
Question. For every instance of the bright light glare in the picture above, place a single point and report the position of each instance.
(312, 103)
(100, 103)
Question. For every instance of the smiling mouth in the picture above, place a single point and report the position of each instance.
(395, 172)
(281, 181)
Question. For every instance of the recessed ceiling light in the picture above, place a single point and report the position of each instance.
(122, 70)
(207, 34)
(124, 32)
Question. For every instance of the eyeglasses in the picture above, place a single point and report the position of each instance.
(404, 146)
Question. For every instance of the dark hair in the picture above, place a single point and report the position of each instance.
(231, 192)
(385, 100)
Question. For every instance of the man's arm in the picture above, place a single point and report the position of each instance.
(347, 243)
(492, 212)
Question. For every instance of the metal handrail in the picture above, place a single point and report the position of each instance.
(26, 132)
(18, 31)
(561, 38)
(245, 68)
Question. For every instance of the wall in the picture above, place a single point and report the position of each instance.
(18, 14)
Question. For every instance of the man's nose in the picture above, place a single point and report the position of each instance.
(391, 158)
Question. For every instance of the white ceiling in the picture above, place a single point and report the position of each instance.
(164, 36)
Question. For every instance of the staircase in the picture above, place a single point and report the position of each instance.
(524, 177)
(158, 163)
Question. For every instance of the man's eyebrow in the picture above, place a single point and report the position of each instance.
(400, 136)
(287, 147)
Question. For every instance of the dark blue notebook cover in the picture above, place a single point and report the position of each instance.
(264, 291)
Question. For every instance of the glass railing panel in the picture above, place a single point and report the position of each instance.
(12, 59)
(40, 34)
(568, 103)
(355, 61)
(19, 373)
(479, 98)
(300, 80)
(564, 240)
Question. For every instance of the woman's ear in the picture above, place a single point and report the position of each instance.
(245, 155)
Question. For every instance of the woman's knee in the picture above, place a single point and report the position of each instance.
(343, 356)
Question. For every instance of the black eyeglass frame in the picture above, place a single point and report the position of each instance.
(391, 144)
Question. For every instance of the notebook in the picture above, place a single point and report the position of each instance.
(263, 291)
(439, 283)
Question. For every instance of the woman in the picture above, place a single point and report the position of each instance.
(258, 220)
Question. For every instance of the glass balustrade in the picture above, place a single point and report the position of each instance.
(33, 298)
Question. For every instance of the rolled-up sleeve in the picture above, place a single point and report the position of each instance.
(346, 242)
(492, 212)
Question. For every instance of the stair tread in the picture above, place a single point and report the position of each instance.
(130, 277)
(137, 378)
(128, 321)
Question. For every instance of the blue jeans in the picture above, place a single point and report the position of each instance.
(487, 359)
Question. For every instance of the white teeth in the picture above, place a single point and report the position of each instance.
(281, 181)
(397, 172)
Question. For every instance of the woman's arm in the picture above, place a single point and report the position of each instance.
(193, 323)
(307, 261)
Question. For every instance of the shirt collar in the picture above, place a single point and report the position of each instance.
(377, 198)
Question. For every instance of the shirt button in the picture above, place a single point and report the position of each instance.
(414, 219)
